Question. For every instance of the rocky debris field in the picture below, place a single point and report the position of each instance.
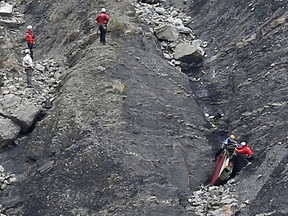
(6, 179)
(46, 78)
(178, 44)
(21, 107)
(216, 200)
(10, 15)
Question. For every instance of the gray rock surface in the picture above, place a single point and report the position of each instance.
(212, 200)
(8, 131)
(6, 179)
(12, 22)
(6, 9)
(25, 115)
(188, 53)
(121, 128)
(167, 33)
(21, 112)
(131, 131)
(243, 76)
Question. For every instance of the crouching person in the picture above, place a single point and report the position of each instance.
(245, 150)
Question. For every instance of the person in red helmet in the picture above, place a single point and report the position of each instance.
(30, 39)
(103, 19)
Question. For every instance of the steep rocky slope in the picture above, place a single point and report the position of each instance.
(127, 134)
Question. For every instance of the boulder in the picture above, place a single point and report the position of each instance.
(12, 22)
(21, 112)
(26, 115)
(189, 53)
(178, 23)
(184, 30)
(9, 103)
(8, 131)
(174, 13)
(160, 10)
(6, 9)
(167, 33)
(40, 67)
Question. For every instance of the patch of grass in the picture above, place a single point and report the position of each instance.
(125, 88)
(118, 45)
(120, 87)
(116, 26)
(60, 13)
(72, 36)
(55, 17)
(101, 2)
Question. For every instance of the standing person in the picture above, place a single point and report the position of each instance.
(28, 64)
(30, 39)
(103, 19)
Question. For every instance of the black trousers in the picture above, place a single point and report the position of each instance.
(30, 46)
(103, 31)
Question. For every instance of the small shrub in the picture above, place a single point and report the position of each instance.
(101, 2)
(119, 87)
(72, 36)
(55, 17)
(116, 26)
(119, 45)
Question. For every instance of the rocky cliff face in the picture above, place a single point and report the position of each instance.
(246, 79)
(127, 134)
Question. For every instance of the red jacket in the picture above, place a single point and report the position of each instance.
(102, 18)
(245, 150)
(30, 38)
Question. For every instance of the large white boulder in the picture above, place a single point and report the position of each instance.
(6, 8)
(189, 53)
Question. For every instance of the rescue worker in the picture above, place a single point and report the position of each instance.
(28, 64)
(245, 150)
(228, 141)
(103, 19)
(30, 39)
